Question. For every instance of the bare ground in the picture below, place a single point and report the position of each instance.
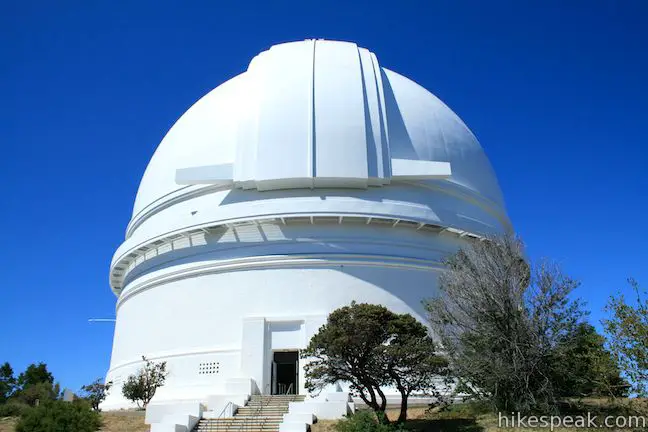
(118, 421)
(462, 418)
(124, 421)
(456, 419)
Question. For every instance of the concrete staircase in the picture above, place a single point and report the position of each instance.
(262, 413)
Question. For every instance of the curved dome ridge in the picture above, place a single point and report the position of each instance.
(314, 114)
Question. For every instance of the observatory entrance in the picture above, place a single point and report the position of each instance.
(285, 372)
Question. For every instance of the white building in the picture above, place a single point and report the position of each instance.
(312, 179)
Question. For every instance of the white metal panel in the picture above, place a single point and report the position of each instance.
(285, 114)
(373, 122)
(248, 127)
(404, 169)
(340, 131)
(210, 174)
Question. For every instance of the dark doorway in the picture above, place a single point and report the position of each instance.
(285, 372)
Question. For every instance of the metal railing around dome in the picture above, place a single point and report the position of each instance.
(132, 257)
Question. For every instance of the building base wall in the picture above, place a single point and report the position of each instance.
(215, 328)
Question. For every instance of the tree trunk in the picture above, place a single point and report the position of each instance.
(403, 408)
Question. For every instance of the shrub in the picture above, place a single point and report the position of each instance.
(141, 387)
(365, 421)
(13, 408)
(96, 392)
(59, 416)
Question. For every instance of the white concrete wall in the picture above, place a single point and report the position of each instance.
(198, 309)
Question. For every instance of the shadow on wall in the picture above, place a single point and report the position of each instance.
(400, 142)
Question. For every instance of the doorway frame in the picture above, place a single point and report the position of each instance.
(273, 371)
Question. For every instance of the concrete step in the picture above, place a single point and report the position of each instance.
(239, 426)
(239, 419)
(244, 420)
(260, 409)
(276, 397)
(262, 413)
(267, 406)
(204, 427)
(241, 429)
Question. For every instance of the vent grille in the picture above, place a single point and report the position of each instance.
(208, 368)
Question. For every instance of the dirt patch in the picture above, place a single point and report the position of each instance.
(8, 424)
(123, 421)
(119, 421)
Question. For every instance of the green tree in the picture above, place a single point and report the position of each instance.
(7, 382)
(36, 383)
(96, 392)
(627, 328)
(59, 416)
(499, 319)
(141, 387)
(370, 347)
(35, 374)
(42, 391)
(582, 366)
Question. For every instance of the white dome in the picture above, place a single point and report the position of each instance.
(316, 114)
(312, 180)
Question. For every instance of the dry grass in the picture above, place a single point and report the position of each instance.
(124, 421)
(7, 424)
(460, 418)
(469, 418)
(329, 425)
(118, 421)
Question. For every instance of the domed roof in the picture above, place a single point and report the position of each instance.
(317, 114)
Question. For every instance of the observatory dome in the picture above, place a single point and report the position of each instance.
(315, 178)
(317, 109)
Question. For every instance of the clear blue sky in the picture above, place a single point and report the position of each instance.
(556, 91)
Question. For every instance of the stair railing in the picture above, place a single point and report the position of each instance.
(229, 405)
(249, 422)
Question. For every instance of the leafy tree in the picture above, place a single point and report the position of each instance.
(59, 416)
(96, 392)
(627, 328)
(35, 374)
(371, 347)
(7, 382)
(499, 320)
(581, 366)
(36, 383)
(42, 391)
(141, 387)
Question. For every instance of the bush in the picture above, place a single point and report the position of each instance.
(13, 409)
(141, 387)
(365, 421)
(59, 416)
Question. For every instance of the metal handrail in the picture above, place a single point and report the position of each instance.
(222, 413)
(247, 425)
